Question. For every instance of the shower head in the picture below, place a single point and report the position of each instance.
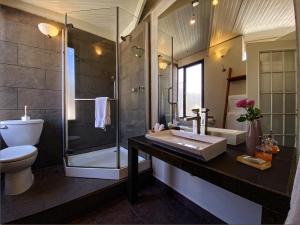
(124, 38)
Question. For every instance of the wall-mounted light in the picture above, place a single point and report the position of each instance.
(193, 20)
(195, 3)
(48, 29)
(215, 2)
(162, 65)
(220, 53)
(98, 50)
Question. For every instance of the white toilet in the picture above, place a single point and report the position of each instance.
(16, 160)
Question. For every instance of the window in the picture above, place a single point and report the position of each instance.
(190, 88)
(70, 84)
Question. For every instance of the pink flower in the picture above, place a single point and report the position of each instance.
(242, 103)
(250, 103)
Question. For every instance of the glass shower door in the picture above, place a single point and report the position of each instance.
(109, 61)
(134, 80)
(91, 72)
(167, 79)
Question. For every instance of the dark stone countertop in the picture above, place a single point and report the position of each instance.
(266, 187)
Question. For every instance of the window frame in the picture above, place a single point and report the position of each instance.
(184, 83)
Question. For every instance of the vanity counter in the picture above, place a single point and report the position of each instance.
(270, 188)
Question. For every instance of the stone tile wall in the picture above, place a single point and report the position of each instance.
(31, 74)
(132, 75)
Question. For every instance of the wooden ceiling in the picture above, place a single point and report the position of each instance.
(254, 19)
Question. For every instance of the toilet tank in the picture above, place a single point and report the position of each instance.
(18, 132)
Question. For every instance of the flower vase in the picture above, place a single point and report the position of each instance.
(258, 128)
(251, 139)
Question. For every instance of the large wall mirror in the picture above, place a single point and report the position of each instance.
(202, 43)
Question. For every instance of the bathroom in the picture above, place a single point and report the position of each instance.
(59, 59)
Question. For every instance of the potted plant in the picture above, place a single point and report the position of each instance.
(252, 115)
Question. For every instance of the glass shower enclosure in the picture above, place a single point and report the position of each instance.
(105, 57)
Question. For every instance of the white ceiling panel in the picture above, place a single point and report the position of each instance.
(261, 15)
(224, 17)
(255, 19)
(63, 6)
(99, 15)
(188, 39)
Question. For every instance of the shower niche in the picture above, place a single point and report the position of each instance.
(96, 65)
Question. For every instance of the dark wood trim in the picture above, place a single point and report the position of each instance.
(237, 78)
(226, 96)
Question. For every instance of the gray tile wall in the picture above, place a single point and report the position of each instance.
(132, 75)
(30, 74)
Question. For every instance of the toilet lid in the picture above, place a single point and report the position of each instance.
(16, 153)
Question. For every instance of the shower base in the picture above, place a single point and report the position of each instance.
(101, 164)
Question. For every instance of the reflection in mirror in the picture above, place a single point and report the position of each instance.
(226, 52)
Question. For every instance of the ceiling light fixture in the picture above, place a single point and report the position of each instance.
(48, 29)
(215, 2)
(195, 3)
(193, 20)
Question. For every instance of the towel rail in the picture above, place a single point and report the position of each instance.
(92, 99)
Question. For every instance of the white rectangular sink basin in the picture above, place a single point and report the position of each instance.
(205, 147)
(234, 137)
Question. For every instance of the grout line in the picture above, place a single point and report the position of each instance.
(29, 67)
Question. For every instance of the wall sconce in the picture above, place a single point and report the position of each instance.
(220, 53)
(98, 51)
(162, 65)
(48, 29)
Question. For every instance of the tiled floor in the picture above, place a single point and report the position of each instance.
(157, 205)
(51, 188)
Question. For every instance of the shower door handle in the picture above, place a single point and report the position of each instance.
(169, 97)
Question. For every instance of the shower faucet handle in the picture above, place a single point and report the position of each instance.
(141, 88)
(134, 90)
(138, 89)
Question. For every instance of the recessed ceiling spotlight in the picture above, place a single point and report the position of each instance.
(195, 3)
(215, 2)
(193, 20)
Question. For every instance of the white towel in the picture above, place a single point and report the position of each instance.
(102, 112)
(294, 213)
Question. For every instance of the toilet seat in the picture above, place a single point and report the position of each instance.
(17, 153)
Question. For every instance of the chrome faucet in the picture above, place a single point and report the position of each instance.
(199, 121)
(196, 121)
